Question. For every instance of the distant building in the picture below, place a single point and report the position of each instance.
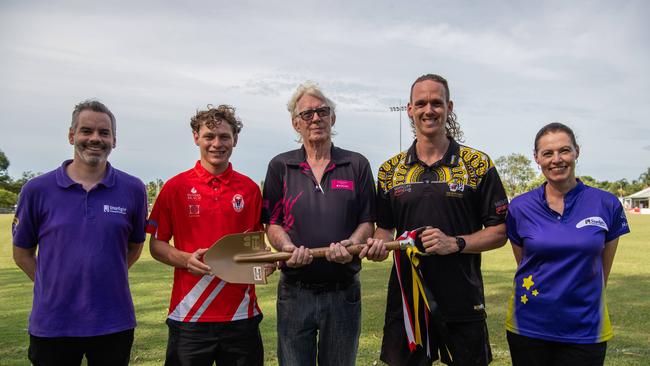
(638, 202)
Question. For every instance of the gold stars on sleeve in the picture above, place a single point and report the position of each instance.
(528, 283)
(524, 299)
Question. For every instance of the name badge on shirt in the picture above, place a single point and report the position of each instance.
(592, 221)
(343, 184)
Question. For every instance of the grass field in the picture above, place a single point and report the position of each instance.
(628, 294)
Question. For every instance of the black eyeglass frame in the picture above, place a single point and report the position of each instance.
(308, 115)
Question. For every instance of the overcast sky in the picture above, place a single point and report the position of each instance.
(513, 66)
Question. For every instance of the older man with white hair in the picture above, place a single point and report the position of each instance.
(315, 196)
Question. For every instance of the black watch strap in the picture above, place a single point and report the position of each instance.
(461, 244)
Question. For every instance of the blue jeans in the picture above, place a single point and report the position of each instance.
(318, 323)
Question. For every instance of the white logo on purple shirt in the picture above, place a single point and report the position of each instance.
(115, 209)
(592, 221)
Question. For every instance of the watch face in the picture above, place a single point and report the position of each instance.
(461, 244)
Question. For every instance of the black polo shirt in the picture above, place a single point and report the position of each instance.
(315, 214)
(460, 194)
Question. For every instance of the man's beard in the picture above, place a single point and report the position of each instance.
(92, 158)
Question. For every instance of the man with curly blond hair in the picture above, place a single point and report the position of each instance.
(209, 320)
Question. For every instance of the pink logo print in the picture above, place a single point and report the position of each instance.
(343, 184)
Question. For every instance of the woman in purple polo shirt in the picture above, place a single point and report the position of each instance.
(564, 236)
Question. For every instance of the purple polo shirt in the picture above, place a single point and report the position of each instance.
(81, 287)
(559, 292)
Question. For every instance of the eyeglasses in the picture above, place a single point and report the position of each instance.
(308, 115)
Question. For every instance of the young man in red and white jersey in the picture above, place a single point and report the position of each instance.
(209, 319)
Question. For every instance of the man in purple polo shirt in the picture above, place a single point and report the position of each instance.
(87, 220)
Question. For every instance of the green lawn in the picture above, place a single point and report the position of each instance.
(628, 293)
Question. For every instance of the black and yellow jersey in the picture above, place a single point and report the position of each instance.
(460, 194)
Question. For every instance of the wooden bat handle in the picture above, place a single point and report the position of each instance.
(269, 257)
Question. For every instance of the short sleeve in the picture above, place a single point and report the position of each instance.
(618, 222)
(139, 218)
(159, 223)
(366, 183)
(382, 201)
(273, 195)
(494, 202)
(257, 201)
(511, 227)
(26, 221)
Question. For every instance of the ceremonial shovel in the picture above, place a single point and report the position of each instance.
(240, 258)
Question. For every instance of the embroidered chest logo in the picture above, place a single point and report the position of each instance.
(238, 202)
(193, 195)
(401, 189)
(115, 209)
(343, 184)
(194, 210)
(456, 187)
(592, 221)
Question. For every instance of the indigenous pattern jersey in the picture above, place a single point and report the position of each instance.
(81, 286)
(315, 214)
(460, 194)
(559, 285)
(197, 208)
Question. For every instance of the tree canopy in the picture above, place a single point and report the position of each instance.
(516, 173)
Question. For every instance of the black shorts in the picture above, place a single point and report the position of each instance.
(470, 345)
(226, 343)
(109, 349)
(526, 351)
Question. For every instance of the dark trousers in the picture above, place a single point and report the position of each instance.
(469, 345)
(237, 343)
(105, 350)
(526, 351)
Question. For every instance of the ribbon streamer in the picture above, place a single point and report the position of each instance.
(417, 317)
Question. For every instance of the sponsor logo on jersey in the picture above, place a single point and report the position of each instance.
(238, 202)
(456, 187)
(194, 210)
(592, 221)
(401, 189)
(501, 206)
(193, 195)
(115, 209)
(343, 184)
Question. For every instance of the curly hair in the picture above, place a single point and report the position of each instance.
(212, 117)
(451, 126)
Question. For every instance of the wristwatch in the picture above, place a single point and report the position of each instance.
(461, 244)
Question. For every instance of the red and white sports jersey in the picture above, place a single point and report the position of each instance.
(197, 208)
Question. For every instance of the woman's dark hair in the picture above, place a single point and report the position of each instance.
(555, 127)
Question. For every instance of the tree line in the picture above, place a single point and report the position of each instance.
(516, 171)
(519, 176)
